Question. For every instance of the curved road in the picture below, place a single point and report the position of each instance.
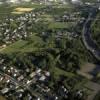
(86, 35)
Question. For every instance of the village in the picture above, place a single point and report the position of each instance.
(42, 52)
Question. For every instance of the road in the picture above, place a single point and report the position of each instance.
(86, 35)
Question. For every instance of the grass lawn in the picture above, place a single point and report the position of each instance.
(5, 11)
(47, 17)
(58, 72)
(35, 5)
(15, 47)
(60, 25)
(34, 43)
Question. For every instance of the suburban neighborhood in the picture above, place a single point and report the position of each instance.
(49, 50)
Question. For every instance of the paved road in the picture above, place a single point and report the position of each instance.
(86, 35)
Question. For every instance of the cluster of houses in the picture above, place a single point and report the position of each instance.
(30, 83)
(16, 80)
(16, 28)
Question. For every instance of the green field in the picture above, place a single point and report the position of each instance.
(34, 43)
(60, 25)
(58, 72)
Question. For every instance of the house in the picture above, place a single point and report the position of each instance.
(28, 82)
(42, 78)
(1, 78)
(4, 67)
(11, 68)
(47, 73)
(29, 97)
(27, 70)
(1, 61)
(79, 94)
(15, 75)
(56, 98)
(32, 74)
(99, 8)
(20, 78)
(5, 90)
(3, 46)
(78, 2)
(38, 71)
(9, 71)
(8, 81)
(38, 99)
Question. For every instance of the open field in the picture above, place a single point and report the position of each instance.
(33, 44)
(58, 72)
(89, 70)
(60, 25)
(21, 10)
(2, 98)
